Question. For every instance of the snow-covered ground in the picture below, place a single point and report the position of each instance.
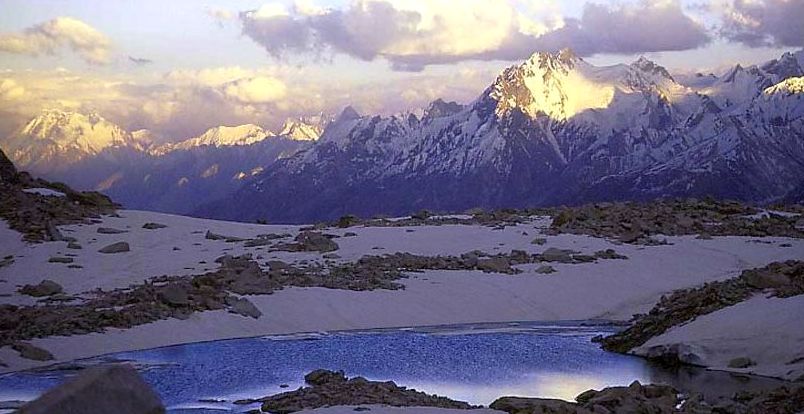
(610, 289)
(769, 331)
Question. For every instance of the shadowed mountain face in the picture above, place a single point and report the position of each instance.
(91, 153)
(553, 130)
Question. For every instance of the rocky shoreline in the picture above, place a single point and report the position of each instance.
(120, 386)
(782, 280)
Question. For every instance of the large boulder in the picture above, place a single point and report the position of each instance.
(119, 247)
(310, 241)
(44, 288)
(114, 388)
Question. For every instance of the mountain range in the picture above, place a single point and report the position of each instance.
(88, 152)
(553, 130)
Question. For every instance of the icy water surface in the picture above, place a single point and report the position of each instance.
(474, 363)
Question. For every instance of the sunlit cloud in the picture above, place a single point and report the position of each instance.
(760, 23)
(256, 90)
(50, 37)
(9, 89)
(411, 34)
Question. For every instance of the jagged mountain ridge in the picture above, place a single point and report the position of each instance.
(552, 130)
(91, 153)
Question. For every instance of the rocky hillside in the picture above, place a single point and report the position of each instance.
(34, 207)
(553, 130)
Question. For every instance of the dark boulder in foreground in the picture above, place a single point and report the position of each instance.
(328, 388)
(114, 388)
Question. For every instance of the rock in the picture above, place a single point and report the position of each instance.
(331, 256)
(114, 388)
(350, 234)
(328, 389)
(495, 265)
(32, 352)
(609, 254)
(53, 232)
(153, 226)
(57, 259)
(518, 405)
(539, 241)
(44, 288)
(557, 255)
(704, 236)
(109, 230)
(323, 377)
(545, 270)
(175, 295)
(119, 247)
(741, 362)
(675, 354)
(244, 307)
(309, 241)
(74, 246)
(229, 239)
(764, 279)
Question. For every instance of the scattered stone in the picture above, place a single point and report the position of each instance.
(309, 241)
(332, 256)
(350, 234)
(119, 247)
(6, 261)
(741, 362)
(44, 288)
(74, 246)
(109, 230)
(244, 307)
(557, 255)
(115, 388)
(53, 232)
(348, 221)
(496, 265)
(58, 259)
(175, 295)
(539, 241)
(545, 270)
(219, 237)
(704, 236)
(609, 254)
(154, 226)
(31, 352)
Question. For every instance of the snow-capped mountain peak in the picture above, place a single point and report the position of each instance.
(648, 66)
(220, 136)
(299, 130)
(66, 136)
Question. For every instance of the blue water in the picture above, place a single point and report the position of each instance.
(471, 363)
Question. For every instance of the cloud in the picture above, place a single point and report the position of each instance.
(412, 34)
(9, 89)
(51, 36)
(758, 23)
(646, 26)
(256, 90)
(222, 16)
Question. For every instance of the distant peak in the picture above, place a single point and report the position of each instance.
(348, 114)
(646, 65)
(440, 108)
(565, 57)
(301, 130)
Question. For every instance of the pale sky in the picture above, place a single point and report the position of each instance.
(179, 67)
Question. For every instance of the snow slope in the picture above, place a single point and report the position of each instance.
(610, 289)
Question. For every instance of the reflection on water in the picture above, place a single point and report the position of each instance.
(477, 364)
